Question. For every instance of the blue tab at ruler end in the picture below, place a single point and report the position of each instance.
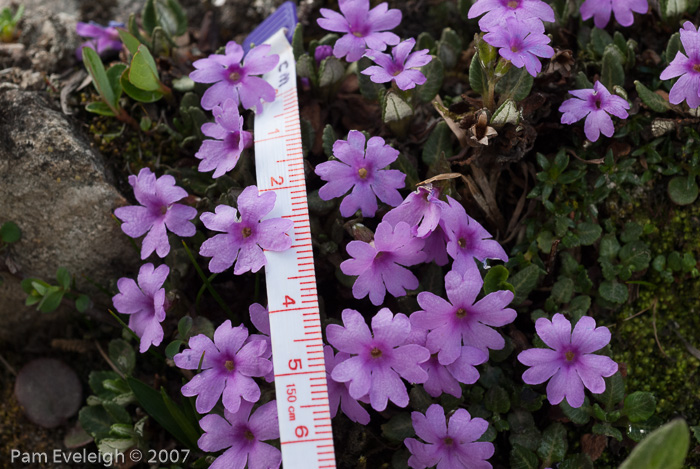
(284, 17)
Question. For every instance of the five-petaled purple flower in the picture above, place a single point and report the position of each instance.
(222, 154)
(104, 38)
(460, 320)
(378, 264)
(229, 364)
(260, 317)
(571, 364)
(378, 362)
(338, 394)
(421, 210)
(497, 11)
(401, 66)
(595, 105)
(448, 445)
(145, 303)
(467, 239)
(243, 434)
(235, 80)
(687, 68)
(362, 172)
(364, 27)
(520, 44)
(157, 212)
(601, 9)
(244, 237)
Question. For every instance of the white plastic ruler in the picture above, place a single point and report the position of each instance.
(297, 345)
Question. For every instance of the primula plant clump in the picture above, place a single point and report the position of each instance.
(504, 233)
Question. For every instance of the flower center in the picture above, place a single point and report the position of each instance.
(375, 353)
(569, 356)
(696, 67)
(229, 365)
(513, 4)
(249, 435)
(164, 210)
(234, 76)
(462, 242)
(362, 172)
(461, 313)
(358, 34)
(449, 441)
(246, 232)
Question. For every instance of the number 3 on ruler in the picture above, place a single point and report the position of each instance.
(279, 181)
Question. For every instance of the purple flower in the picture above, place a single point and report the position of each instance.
(595, 105)
(521, 45)
(497, 11)
(687, 68)
(436, 247)
(229, 365)
(260, 317)
(421, 210)
(246, 236)
(338, 394)
(378, 264)
(467, 239)
(243, 436)
(145, 303)
(222, 154)
(450, 445)
(235, 80)
(104, 38)
(402, 68)
(362, 172)
(363, 27)
(572, 364)
(461, 320)
(322, 52)
(600, 9)
(378, 362)
(157, 212)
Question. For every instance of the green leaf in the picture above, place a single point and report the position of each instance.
(495, 280)
(173, 348)
(563, 290)
(664, 448)
(64, 278)
(600, 39)
(189, 426)
(143, 72)
(129, 40)
(298, 41)
(329, 138)
(614, 392)
(136, 93)
(398, 428)
(152, 402)
(51, 300)
(477, 77)
(434, 73)
(330, 71)
(183, 84)
(440, 141)
(368, 88)
(184, 327)
(516, 84)
(636, 254)
(578, 415)
(522, 458)
(607, 430)
(613, 291)
(114, 74)
(588, 233)
(579, 306)
(117, 412)
(82, 303)
(609, 246)
(554, 444)
(671, 8)
(406, 166)
(577, 461)
(683, 190)
(640, 430)
(525, 281)
(95, 421)
(10, 232)
(173, 18)
(507, 113)
(395, 108)
(426, 41)
(98, 107)
(148, 16)
(639, 406)
(611, 72)
(96, 69)
(497, 400)
(673, 46)
(653, 101)
(122, 355)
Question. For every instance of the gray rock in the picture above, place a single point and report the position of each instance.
(56, 188)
